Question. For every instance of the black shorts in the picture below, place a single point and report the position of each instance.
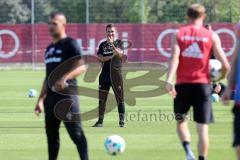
(115, 81)
(236, 126)
(196, 95)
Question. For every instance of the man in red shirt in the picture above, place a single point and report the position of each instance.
(191, 51)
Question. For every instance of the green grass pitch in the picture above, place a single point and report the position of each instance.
(22, 134)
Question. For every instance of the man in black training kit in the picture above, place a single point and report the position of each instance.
(59, 51)
(111, 55)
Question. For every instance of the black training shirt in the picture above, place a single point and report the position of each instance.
(106, 49)
(59, 52)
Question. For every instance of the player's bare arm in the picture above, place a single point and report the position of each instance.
(79, 68)
(232, 73)
(220, 55)
(39, 106)
(172, 66)
(231, 77)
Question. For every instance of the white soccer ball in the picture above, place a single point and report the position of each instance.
(32, 93)
(215, 97)
(215, 70)
(114, 145)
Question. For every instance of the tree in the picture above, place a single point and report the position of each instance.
(117, 11)
(42, 8)
(175, 10)
(134, 13)
(223, 11)
(14, 11)
(74, 9)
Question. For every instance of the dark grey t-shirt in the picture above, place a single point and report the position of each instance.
(58, 53)
(106, 49)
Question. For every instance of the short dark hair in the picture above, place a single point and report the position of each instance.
(56, 13)
(110, 25)
(195, 11)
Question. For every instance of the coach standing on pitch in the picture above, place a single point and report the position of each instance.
(191, 51)
(111, 55)
(59, 51)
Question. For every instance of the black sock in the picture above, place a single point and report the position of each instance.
(201, 158)
(121, 111)
(186, 146)
(100, 120)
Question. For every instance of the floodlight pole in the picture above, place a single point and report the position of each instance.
(142, 11)
(32, 13)
(33, 32)
(87, 11)
(142, 28)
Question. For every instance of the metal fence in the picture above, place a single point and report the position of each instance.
(149, 24)
(114, 11)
